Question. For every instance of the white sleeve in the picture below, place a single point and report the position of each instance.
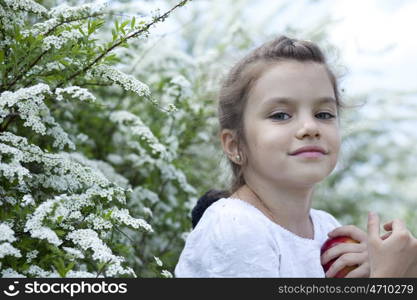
(229, 244)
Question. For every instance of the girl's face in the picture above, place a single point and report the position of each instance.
(291, 105)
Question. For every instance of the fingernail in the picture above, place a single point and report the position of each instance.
(371, 214)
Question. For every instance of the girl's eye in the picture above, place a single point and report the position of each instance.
(280, 116)
(325, 115)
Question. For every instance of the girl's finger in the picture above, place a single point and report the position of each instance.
(373, 226)
(346, 260)
(398, 224)
(386, 235)
(349, 230)
(341, 249)
(362, 271)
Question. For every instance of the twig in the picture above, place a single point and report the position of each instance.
(134, 34)
(102, 269)
(11, 117)
(124, 234)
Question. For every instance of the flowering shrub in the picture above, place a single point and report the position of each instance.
(79, 173)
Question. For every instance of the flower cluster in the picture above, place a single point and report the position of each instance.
(133, 125)
(34, 225)
(88, 239)
(31, 255)
(66, 12)
(122, 216)
(58, 41)
(7, 238)
(26, 5)
(128, 82)
(30, 105)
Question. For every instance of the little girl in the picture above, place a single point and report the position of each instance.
(279, 127)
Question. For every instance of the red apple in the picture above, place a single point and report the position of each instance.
(331, 242)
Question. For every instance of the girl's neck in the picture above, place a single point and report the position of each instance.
(288, 208)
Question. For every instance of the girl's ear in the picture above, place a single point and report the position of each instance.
(230, 145)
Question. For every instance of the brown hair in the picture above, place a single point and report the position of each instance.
(237, 84)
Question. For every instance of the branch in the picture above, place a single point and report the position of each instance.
(134, 34)
(27, 70)
(11, 117)
(102, 269)
(40, 56)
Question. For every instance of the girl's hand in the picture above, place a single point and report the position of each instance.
(392, 256)
(349, 254)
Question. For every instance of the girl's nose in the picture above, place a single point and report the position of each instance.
(308, 128)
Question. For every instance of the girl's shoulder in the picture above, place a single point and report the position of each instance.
(233, 210)
(230, 219)
(227, 242)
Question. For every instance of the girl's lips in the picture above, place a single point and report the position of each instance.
(310, 154)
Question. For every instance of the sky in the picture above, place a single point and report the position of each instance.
(377, 37)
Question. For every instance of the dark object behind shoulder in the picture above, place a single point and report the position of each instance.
(204, 202)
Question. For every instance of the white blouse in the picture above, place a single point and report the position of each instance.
(235, 239)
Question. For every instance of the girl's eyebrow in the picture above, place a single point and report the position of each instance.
(287, 100)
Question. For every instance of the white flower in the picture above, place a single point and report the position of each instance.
(98, 223)
(132, 124)
(29, 102)
(8, 249)
(10, 273)
(158, 261)
(82, 274)
(140, 194)
(7, 234)
(31, 255)
(27, 200)
(26, 5)
(169, 172)
(68, 12)
(46, 233)
(74, 252)
(31, 108)
(88, 239)
(75, 92)
(34, 223)
(128, 82)
(123, 216)
(166, 274)
(147, 211)
(38, 272)
(58, 41)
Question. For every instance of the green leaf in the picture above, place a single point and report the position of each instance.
(60, 266)
(90, 28)
(125, 23)
(132, 23)
(60, 233)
